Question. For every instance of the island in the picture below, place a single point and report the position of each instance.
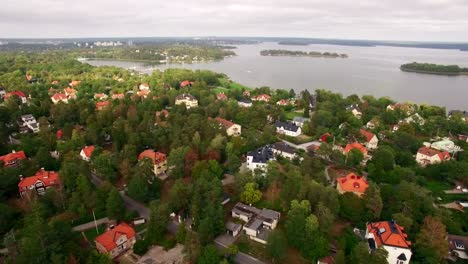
(429, 68)
(295, 53)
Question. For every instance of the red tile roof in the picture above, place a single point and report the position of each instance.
(368, 135)
(49, 178)
(221, 96)
(109, 238)
(118, 96)
(352, 183)
(101, 105)
(59, 97)
(186, 83)
(75, 83)
(226, 123)
(282, 102)
(264, 97)
(12, 157)
(59, 134)
(17, 93)
(389, 233)
(324, 137)
(355, 145)
(143, 93)
(430, 152)
(156, 157)
(88, 151)
(69, 90)
(163, 112)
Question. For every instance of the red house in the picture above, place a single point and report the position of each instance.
(221, 97)
(40, 182)
(158, 159)
(357, 146)
(116, 240)
(19, 94)
(11, 159)
(101, 105)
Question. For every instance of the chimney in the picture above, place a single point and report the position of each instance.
(21, 177)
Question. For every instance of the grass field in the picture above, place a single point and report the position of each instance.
(91, 233)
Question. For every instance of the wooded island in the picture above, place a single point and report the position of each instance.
(296, 53)
(429, 68)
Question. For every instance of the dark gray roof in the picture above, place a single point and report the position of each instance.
(353, 106)
(261, 155)
(245, 101)
(233, 226)
(254, 224)
(287, 126)
(269, 214)
(283, 147)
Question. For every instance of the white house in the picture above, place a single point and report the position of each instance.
(287, 128)
(371, 139)
(390, 236)
(28, 123)
(258, 159)
(86, 153)
(354, 109)
(416, 118)
(189, 100)
(259, 222)
(427, 155)
(144, 86)
(284, 150)
(2, 92)
(245, 103)
(446, 145)
(232, 129)
(458, 246)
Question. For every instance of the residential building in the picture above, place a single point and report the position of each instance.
(100, 96)
(427, 155)
(70, 93)
(233, 229)
(231, 128)
(463, 138)
(300, 121)
(446, 145)
(12, 159)
(74, 83)
(284, 150)
(406, 108)
(462, 114)
(118, 96)
(186, 83)
(373, 124)
(262, 97)
(59, 97)
(258, 159)
(245, 103)
(259, 222)
(357, 146)
(19, 94)
(189, 100)
(101, 105)
(390, 236)
(371, 139)
(246, 94)
(39, 182)
(221, 97)
(160, 116)
(86, 153)
(143, 93)
(116, 240)
(28, 123)
(458, 246)
(158, 159)
(416, 118)
(283, 102)
(355, 110)
(352, 183)
(288, 129)
(143, 86)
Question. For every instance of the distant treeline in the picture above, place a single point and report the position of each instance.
(434, 68)
(301, 53)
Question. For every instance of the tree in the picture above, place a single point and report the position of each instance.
(360, 255)
(138, 188)
(276, 246)
(115, 206)
(354, 157)
(373, 201)
(430, 241)
(209, 255)
(384, 158)
(159, 218)
(251, 194)
(176, 161)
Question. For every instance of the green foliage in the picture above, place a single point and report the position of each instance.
(209, 255)
(251, 194)
(276, 246)
(159, 218)
(433, 68)
(115, 205)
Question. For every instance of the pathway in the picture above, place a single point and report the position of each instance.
(303, 146)
(90, 225)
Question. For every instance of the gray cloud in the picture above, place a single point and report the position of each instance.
(442, 20)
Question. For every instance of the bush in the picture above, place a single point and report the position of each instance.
(141, 247)
(168, 244)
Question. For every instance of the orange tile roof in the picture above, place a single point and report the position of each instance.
(368, 135)
(17, 93)
(101, 105)
(352, 183)
(221, 96)
(12, 156)
(388, 233)
(186, 83)
(265, 97)
(88, 151)
(143, 93)
(226, 123)
(49, 178)
(59, 97)
(109, 238)
(155, 157)
(75, 83)
(69, 90)
(355, 145)
(118, 96)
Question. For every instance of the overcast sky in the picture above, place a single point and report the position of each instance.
(436, 20)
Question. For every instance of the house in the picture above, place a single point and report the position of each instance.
(390, 236)
(371, 139)
(245, 103)
(300, 121)
(39, 182)
(12, 159)
(352, 183)
(259, 223)
(186, 83)
(458, 246)
(233, 229)
(284, 150)
(143, 87)
(158, 159)
(101, 105)
(232, 129)
(262, 97)
(54, 82)
(74, 83)
(28, 123)
(288, 128)
(19, 94)
(70, 93)
(427, 155)
(86, 153)
(258, 159)
(59, 97)
(116, 240)
(406, 108)
(463, 138)
(160, 116)
(283, 102)
(100, 96)
(446, 145)
(357, 146)
(354, 109)
(416, 118)
(189, 100)
(2, 92)
(143, 93)
(246, 94)
(324, 137)
(118, 96)
(372, 124)
(221, 97)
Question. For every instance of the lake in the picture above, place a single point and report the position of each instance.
(368, 71)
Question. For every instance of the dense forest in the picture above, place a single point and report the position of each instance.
(434, 68)
(316, 220)
(301, 53)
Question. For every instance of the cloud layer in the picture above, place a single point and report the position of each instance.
(436, 20)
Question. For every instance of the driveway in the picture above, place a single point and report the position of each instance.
(225, 240)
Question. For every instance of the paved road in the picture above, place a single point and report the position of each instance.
(90, 225)
(301, 146)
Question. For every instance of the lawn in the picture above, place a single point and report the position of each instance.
(232, 85)
(91, 233)
(251, 247)
(437, 188)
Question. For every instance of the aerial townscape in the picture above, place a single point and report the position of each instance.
(107, 164)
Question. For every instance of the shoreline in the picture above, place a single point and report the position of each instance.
(435, 73)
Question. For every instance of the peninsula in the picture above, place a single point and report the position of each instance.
(293, 53)
(428, 68)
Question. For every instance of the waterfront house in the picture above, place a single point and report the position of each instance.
(390, 236)
(352, 183)
(86, 153)
(288, 129)
(12, 159)
(158, 160)
(187, 99)
(39, 182)
(116, 240)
